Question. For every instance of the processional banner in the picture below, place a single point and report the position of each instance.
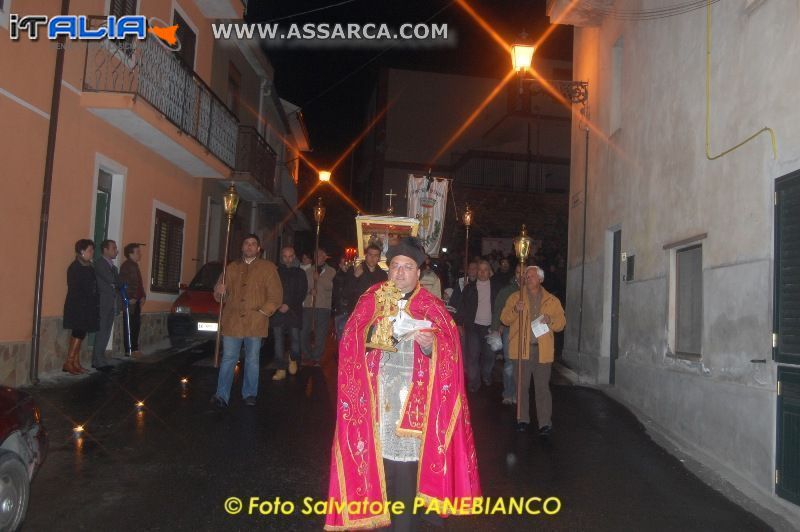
(427, 202)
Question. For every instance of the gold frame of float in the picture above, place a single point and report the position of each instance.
(383, 230)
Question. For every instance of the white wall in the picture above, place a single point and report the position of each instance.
(651, 178)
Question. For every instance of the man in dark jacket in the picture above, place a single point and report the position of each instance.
(131, 276)
(363, 276)
(289, 316)
(108, 288)
(474, 314)
(341, 306)
(458, 289)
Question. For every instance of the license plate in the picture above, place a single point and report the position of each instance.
(206, 326)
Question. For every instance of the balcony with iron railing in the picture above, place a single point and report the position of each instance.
(255, 166)
(118, 74)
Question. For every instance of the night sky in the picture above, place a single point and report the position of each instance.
(332, 85)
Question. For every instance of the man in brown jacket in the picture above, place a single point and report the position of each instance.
(252, 292)
(537, 353)
(131, 276)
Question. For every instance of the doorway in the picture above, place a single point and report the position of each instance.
(616, 260)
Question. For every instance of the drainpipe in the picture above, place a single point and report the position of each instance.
(45, 211)
(583, 252)
(261, 126)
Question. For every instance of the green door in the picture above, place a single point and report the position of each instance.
(786, 335)
(787, 479)
(102, 210)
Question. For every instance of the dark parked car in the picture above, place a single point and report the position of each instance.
(194, 313)
(22, 452)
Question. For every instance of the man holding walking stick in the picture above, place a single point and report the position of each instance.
(131, 277)
(533, 314)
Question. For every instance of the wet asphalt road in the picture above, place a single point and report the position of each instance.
(172, 466)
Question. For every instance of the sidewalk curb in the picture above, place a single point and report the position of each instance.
(777, 514)
(567, 373)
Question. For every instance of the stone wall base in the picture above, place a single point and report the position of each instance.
(53, 342)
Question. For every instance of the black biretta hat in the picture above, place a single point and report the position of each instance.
(410, 247)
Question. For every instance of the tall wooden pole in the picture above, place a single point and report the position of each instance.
(230, 202)
(221, 299)
(522, 247)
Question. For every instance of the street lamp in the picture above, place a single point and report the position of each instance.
(522, 56)
(521, 61)
(522, 248)
(324, 176)
(319, 215)
(467, 224)
(230, 202)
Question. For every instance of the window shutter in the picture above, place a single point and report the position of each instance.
(787, 269)
(788, 452)
(120, 8)
(689, 300)
(167, 253)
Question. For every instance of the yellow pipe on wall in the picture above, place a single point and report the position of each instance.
(708, 103)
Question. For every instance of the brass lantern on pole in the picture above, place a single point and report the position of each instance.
(522, 248)
(319, 216)
(522, 245)
(467, 223)
(230, 202)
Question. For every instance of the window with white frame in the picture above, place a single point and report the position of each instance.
(688, 316)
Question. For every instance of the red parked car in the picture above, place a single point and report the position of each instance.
(194, 314)
(22, 452)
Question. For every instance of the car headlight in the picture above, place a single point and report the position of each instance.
(183, 310)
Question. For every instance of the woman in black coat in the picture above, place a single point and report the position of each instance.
(82, 306)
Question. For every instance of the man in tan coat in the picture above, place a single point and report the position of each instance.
(317, 309)
(537, 353)
(252, 292)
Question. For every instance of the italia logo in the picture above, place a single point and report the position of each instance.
(79, 28)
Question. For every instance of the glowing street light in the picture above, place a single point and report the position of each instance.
(78, 431)
(324, 176)
(522, 56)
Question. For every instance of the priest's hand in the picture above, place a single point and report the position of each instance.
(424, 339)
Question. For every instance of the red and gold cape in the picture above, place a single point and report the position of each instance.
(435, 411)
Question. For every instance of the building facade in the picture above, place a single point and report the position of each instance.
(147, 138)
(680, 272)
(510, 162)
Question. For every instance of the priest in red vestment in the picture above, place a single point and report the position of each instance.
(403, 431)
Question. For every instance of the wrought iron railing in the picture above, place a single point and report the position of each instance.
(255, 156)
(154, 73)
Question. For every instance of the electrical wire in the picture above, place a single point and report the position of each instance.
(648, 14)
(323, 8)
